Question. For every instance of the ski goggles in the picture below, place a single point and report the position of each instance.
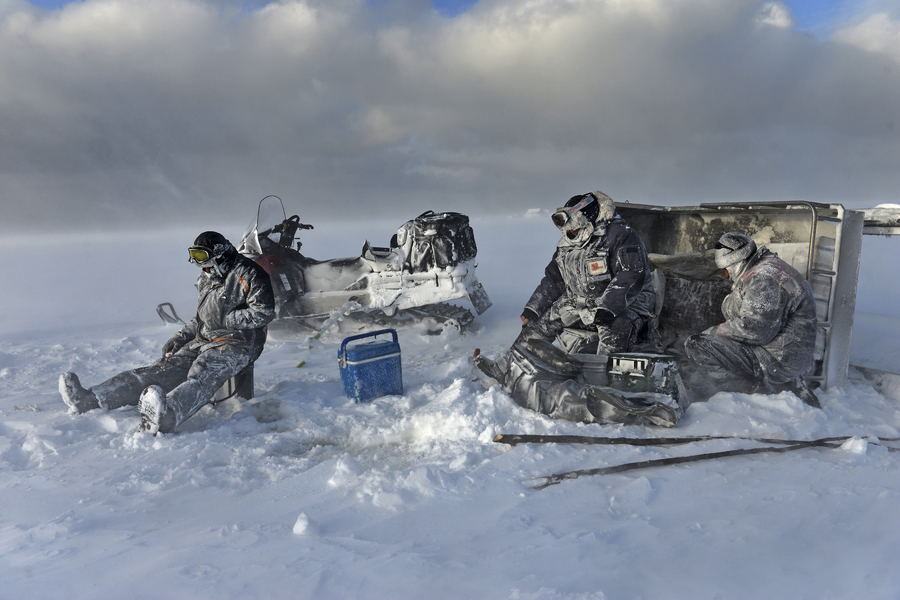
(721, 246)
(560, 218)
(198, 255)
(564, 214)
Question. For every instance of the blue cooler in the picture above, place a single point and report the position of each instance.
(371, 369)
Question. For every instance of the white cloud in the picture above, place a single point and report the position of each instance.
(776, 14)
(189, 106)
(878, 33)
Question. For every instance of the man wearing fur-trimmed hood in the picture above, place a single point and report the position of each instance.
(596, 294)
(598, 280)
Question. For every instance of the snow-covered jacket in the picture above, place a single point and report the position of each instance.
(234, 309)
(771, 306)
(610, 272)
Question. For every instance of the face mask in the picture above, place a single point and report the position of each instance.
(576, 229)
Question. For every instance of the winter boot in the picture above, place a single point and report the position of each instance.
(489, 367)
(611, 406)
(152, 406)
(77, 398)
(799, 388)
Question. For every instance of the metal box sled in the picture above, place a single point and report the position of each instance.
(822, 241)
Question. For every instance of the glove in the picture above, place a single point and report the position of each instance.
(714, 330)
(172, 346)
(528, 315)
(604, 317)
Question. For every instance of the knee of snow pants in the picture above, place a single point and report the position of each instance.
(209, 371)
(542, 328)
(620, 335)
(717, 353)
(727, 365)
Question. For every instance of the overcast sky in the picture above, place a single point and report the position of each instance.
(161, 110)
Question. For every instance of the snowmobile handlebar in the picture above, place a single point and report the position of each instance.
(287, 230)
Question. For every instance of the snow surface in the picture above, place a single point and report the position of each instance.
(301, 493)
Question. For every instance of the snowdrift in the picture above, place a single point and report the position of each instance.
(302, 493)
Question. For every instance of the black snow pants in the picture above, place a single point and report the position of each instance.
(723, 364)
(189, 378)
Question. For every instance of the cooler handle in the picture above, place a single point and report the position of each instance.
(342, 353)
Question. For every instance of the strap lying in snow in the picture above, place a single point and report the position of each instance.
(678, 460)
(518, 438)
(784, 446)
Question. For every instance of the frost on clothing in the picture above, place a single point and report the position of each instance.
(593, 286)
(545, 379)
(235, 308)
(769, 334)
(225, 336)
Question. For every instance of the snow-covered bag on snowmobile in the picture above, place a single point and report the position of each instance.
(439, 240)
(543, 378)
(371, 369)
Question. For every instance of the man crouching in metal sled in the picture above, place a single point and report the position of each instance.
(767, 342)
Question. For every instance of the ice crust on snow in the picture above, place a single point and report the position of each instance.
(301, 493)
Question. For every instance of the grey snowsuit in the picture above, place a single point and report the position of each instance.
(226, 335)
(769, 336)
(604, 286)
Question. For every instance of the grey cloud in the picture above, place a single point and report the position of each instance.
(183, 109)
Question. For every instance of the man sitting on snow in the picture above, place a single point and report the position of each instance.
(228, 333)
(768, 340)
(596, 297)
(597, 287)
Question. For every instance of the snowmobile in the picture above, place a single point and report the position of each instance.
(429, 262)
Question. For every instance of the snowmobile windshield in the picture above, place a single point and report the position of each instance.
(269, 215)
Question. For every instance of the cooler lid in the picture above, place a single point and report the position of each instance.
(369, 350)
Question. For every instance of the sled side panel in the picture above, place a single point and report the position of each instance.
(837, 308)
